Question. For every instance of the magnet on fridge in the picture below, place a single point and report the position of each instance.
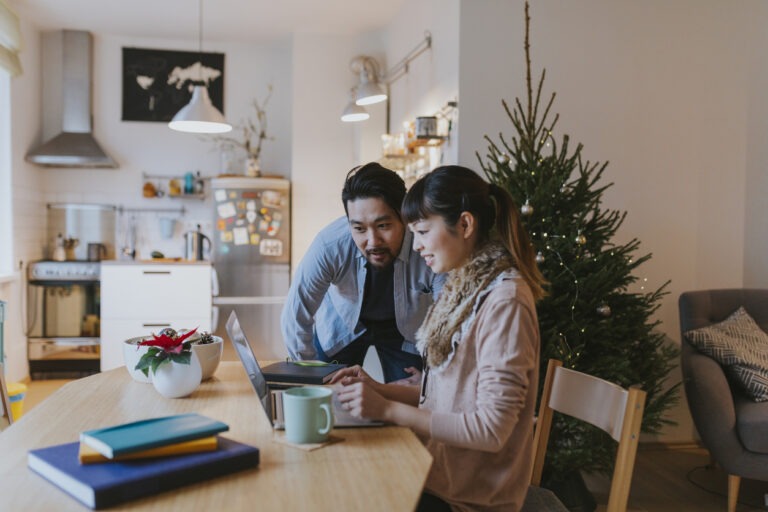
(232, 194)
(226, 237)
(241, 236)
(250, 216)
(221, 224)
(263, 225)
(255, 239)
(250, 205)
(226, 210)
(241, 205)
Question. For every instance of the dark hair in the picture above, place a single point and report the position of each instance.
(451, 189)
(373, 180)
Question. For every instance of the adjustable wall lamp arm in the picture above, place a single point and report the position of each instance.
(401, 68)
(364, 65)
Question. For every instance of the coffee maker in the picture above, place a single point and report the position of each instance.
(194, 245)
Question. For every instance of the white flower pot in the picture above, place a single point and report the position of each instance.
(175, 380)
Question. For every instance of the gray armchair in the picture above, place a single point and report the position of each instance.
(732, 427)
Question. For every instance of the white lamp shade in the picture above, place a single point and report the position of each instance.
(199, 115)
(353, 113)
(369, 93)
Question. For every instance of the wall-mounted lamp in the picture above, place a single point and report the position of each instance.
(369, 90)
(199, 115)
(354, 112)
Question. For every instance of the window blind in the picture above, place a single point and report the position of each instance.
(10, 40)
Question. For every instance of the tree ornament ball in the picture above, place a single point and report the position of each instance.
(526, 209)
(581, 239)
(604, 310)
(503, 159)
(540, 257)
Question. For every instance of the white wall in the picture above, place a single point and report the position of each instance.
(672, 95)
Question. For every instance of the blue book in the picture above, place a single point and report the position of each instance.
(151, 433)
(103, 485)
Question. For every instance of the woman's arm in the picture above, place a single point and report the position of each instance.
(405, 391)
(363, 401)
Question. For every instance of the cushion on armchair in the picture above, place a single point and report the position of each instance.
(741, 347)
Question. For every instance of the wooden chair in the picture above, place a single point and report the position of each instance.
(611, 408)
(6, 418)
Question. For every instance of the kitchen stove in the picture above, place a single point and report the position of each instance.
(64, 271)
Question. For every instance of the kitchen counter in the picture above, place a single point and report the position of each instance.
(155, 261)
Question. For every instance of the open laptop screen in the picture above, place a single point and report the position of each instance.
(250, 363)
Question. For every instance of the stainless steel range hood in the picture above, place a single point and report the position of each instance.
(67, 119)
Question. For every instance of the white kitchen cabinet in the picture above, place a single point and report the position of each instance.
(141, 299)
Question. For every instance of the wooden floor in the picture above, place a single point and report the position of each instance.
(664, 480)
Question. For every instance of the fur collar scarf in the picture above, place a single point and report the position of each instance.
(457, 301)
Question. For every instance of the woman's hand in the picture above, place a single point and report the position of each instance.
(349, 375)
(362, 401)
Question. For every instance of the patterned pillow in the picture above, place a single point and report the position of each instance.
(741, 347)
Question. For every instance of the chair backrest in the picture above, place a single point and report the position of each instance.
(613, 409)
(6, 418)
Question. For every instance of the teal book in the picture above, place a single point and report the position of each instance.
(104, 485)
(150, 433)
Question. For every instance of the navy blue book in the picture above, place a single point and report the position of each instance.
(103, 485)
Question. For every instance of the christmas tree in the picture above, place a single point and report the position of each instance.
(590, 320)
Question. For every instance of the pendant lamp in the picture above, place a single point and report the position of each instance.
(199, 115)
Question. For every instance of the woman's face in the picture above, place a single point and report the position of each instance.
(442, 248)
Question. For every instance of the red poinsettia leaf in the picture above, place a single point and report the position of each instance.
(186, 335)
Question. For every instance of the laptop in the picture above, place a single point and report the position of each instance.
(271, 399)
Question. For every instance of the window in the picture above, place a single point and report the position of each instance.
(6, 238)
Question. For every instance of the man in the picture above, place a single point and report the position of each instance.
(361, 283)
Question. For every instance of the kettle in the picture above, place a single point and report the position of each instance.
(194, 242)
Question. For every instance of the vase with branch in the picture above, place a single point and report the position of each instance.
(249, 135)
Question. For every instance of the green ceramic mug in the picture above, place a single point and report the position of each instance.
(308, 414)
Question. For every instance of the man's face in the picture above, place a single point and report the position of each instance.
(376, 229)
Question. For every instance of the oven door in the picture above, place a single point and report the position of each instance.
(63, 329)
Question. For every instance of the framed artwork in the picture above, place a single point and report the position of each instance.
(158, 83)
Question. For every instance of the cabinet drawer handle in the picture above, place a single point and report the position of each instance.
(157, 271)
(156, 325)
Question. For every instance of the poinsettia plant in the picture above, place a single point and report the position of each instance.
(168, 346)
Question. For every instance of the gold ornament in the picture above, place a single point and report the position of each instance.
(526, 209)
(581, 239)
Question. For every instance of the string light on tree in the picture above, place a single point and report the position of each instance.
(604, 310)
(503, 159)
(540, 258)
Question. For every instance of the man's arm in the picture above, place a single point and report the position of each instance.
(313, 277)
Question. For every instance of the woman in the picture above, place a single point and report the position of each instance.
(480, 343)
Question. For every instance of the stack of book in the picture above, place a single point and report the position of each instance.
(122, 462)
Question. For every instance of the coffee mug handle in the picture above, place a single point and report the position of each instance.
(328, 419)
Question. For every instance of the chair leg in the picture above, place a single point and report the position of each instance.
(733, 491)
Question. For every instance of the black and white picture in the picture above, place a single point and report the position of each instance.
(158, 83)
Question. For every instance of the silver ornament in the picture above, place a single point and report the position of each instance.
(540, 257)
(604, 309)
(503, 159)
(581, 239)
(526, 209)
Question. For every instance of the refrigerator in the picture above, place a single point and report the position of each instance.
(251, 259)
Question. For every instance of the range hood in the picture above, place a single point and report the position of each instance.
(66, 105)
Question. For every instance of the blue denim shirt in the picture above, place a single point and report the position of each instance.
(326, 295)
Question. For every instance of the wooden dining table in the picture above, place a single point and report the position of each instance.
(371, 468)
